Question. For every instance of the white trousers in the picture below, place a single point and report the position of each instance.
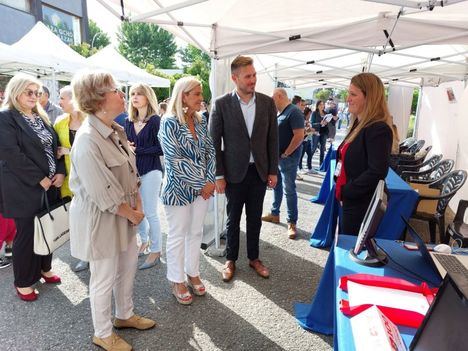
(184, 239)
(116, 274)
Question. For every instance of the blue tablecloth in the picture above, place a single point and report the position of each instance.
(330, 155)
(327, 185)
(401, 203)
(323, 314)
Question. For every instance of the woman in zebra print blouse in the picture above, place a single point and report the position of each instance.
(187, 185)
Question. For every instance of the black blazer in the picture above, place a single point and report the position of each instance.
(23, 164)
(366, 162)
(228, 128)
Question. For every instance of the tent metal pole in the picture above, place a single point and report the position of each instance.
(200, 46)
(164, 10)
(175, 23)
(109, 8)
(428, 59)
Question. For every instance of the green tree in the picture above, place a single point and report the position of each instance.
(97, 37)
(163, 93)
(414, 103)
(197, 63)
(342, 94)
(84, 49)
(323, 94)
(145, 43)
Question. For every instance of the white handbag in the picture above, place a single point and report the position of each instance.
(51, 226)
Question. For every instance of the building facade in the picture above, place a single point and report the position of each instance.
(67, 19)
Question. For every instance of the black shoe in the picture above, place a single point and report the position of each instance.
(8, 251)
(4, 262)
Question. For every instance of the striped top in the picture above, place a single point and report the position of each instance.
(46, 140)
(189, 163)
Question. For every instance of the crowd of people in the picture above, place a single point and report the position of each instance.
(113, 172)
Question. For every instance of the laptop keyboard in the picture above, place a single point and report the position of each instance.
(451, 264)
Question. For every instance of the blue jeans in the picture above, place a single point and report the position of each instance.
(287, 184)
(315, 143)
(306, 148)
(149, 190)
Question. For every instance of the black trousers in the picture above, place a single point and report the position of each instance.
(27, 265)
(353, 215)
(250, 192)
(323, 146)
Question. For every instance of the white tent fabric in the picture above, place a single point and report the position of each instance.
(110, 59)
(400, 98)
(461, 126)
(42, 43)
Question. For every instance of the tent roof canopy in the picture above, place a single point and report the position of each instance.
(373, 34)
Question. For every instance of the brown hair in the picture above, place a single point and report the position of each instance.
(375, 108)
(240, 61)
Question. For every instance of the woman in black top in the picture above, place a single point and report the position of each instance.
(142, 127)
(28, 167)
(320, 126)
(364, 155)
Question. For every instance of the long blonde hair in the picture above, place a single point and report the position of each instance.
(146, 91)
(375, 107)
(15, 87)
(176, 107)
(67, 90)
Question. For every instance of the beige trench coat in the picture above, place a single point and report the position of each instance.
(103, 176)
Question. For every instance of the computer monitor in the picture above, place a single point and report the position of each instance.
(365, 243)
(444, 326)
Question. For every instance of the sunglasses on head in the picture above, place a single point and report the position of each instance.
(30, 93)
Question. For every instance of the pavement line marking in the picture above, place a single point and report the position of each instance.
(72, 287)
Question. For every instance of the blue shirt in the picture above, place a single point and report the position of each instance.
(120, 119)
(289, 119)
(189, 163)
(147, 145)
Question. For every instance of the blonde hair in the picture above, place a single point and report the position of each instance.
(176, 107)
(67, 90)
(89, 87)
(375, 107)
(17, 86)
(147, 92)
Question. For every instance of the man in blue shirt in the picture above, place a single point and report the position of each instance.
(290, 135)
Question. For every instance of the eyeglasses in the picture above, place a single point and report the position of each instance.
(115, 91)
(30, 93)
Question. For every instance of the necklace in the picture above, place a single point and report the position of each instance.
(140, 123)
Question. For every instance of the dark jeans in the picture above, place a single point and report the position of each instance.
(250, 192)
(287, 184)
(323, 146)
(306, 148)
(27, 265)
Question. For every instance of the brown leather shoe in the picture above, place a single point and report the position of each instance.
(113, 343)
(228, 270)
(292, 231)
(271, 218)
(261, 270)
(136, 322)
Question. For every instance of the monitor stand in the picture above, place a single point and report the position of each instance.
(372, 256)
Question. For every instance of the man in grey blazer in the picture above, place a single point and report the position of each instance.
(244, 129)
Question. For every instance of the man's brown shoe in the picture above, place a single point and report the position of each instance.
(271, 218)
(261, 270)
(136, 322)
(228, 270)
(112, 343)
(292, 230)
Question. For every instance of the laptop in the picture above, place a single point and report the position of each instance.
(440, 262)
(444, 326)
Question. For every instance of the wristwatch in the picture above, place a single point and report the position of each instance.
(284, 155)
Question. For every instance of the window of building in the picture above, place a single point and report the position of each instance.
(22, 5)
(67, 27)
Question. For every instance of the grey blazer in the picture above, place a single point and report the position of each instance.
(228, 128)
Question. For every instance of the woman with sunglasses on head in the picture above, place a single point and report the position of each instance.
(28, 168)
(142, 127)
(106, 207)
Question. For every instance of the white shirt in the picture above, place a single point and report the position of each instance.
(248, 110)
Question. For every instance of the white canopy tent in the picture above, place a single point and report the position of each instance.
(110, 59)
(416, 43)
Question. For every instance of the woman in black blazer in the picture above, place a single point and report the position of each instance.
(364, 155)
(28, 167)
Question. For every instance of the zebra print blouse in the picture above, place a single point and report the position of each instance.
(189, 163)
(46, 139)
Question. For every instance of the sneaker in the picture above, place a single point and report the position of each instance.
(4, 262)
(271, 218)
(298, 177)
(312, 171)
(301, 171)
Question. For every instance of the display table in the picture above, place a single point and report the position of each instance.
(401, 203)
(323, 314)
